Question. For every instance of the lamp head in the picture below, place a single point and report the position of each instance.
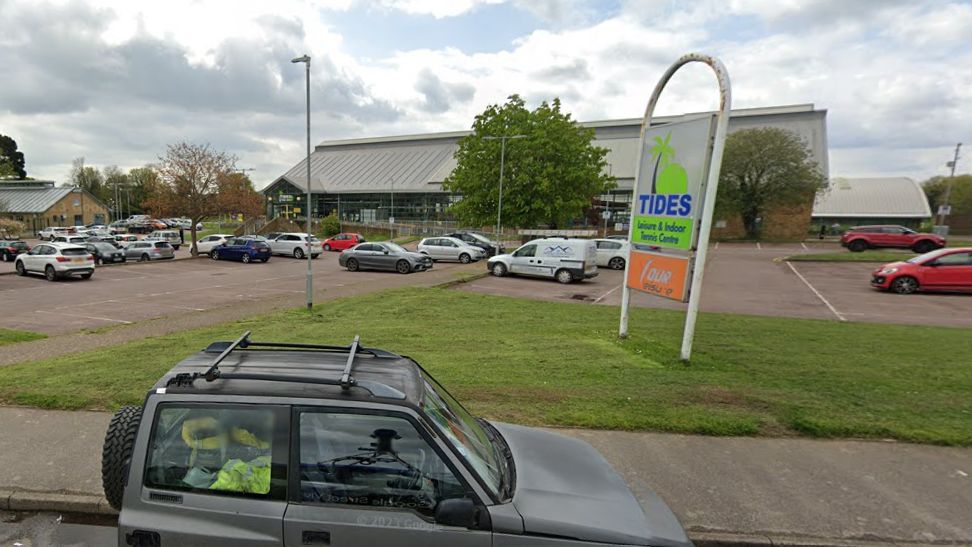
(302, 59)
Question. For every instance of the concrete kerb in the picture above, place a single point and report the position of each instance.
(461, 280)
(730, 539)
(64, 502)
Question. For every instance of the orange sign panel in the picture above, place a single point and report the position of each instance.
(662, 275)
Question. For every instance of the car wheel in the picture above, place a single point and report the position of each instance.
(21, 270)
(298, 253)
(327, 247)
(86, 276)
(564, 276)
(50, 274)
(923, 247)
(144, 258)
(245, 258)
(315, 256)
(116, 452)
(99, 261)
(857, 245)
(264, 260)
(904, 285)
(616, 263)
(464, 258)
(498, 269)
(403, 267)
(352, 265)
(214, 254)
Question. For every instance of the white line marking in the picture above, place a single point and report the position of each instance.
(717, 245)
(816, 292)
(84, 316)
(804, 245)
(605, 295)
(758, 246)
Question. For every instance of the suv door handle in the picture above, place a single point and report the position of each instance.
(315, 537)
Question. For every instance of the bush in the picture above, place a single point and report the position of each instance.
(10, 228)
(330, 225)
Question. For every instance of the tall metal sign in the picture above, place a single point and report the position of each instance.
(676, 180)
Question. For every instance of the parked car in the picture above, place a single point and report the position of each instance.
(124, 240)
(105, 252)
(172, 236)
(149, 250)
(243, 249)
(74, 239)
(273, 235)
(118, 226)
(10, 248)
(296, 446)
(51, 232)
(939, 270)
(56, 260)
(450, 248)
(611, 253)
(340, 242)
(109, 240)
(206, 244)
(563, 259)
(295, 245)
(478, 240)
(862, 238)
(383, 256)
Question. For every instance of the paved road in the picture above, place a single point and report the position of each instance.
(832, 489)
(749, 279)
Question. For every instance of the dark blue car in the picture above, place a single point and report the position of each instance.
(246, 250)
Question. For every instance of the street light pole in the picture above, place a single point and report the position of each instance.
(310, 274)
(499, 207)
(951, 179)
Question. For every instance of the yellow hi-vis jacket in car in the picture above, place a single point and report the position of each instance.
(252, 477)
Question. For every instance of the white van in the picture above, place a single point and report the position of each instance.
(560, 258)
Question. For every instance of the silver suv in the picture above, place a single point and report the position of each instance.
(56, 260)
(253, 443)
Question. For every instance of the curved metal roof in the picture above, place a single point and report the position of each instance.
(31, 200)
(886, 197)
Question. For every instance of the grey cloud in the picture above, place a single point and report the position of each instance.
(441, 96)
(573, 71)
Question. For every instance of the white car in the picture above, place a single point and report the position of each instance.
(450, 248)
(51, 232)
(560, 258)
(56, 260)
(612, 253)
(74, 239)
(295, 245)
(206, 244)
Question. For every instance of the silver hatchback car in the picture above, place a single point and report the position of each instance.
(149, 250)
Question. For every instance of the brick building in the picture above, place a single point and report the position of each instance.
(39, 204)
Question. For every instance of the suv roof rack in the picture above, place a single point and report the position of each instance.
(346, 381)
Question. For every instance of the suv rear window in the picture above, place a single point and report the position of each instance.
(74, 252)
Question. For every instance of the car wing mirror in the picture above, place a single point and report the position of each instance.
(461, 512)
(385, 251)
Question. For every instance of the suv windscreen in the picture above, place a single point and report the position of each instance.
(462, 430)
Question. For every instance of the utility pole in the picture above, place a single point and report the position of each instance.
(951, 180)
(499, 207)
(310, 275)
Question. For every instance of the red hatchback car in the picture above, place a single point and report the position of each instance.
(861, 238)
(941, 270)
(342, 241)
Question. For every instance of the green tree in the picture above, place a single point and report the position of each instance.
(142, 183)
(550, 176)
(763, 168)
(88, 178)
(11, 159)
(960, 199)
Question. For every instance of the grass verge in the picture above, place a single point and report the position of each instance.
(9, 336)
(561, 364)
(847, 256)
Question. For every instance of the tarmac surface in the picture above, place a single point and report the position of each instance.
(837, 492)
(749, 279)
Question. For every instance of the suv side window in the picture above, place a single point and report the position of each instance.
(371, 460)
(219, 449)
(529, 250)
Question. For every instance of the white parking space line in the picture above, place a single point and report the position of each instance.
(816, 292)
(717, 245)
(804, 245)
(758, 246)
(85, 316)
(605, 295)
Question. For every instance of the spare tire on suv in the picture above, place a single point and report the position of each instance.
(116, 453)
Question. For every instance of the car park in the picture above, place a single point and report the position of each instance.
(477, 239)
(450, 248)
(939, 270)
(296, 245)
(612, 253)
(56, 260)
(563, 259)
(262, 443)
(144, 250)
(342, 241)
(861, 238)
(104, 252)
(10, 248)
(243, 249)
(206, 244)
(172, 236)
(383, 256)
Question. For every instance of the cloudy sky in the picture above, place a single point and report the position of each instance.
(114, 81)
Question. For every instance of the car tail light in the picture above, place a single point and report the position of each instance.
(90, 257)
(62, 259)
(11, 249)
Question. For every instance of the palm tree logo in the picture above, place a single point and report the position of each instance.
(672, 178)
